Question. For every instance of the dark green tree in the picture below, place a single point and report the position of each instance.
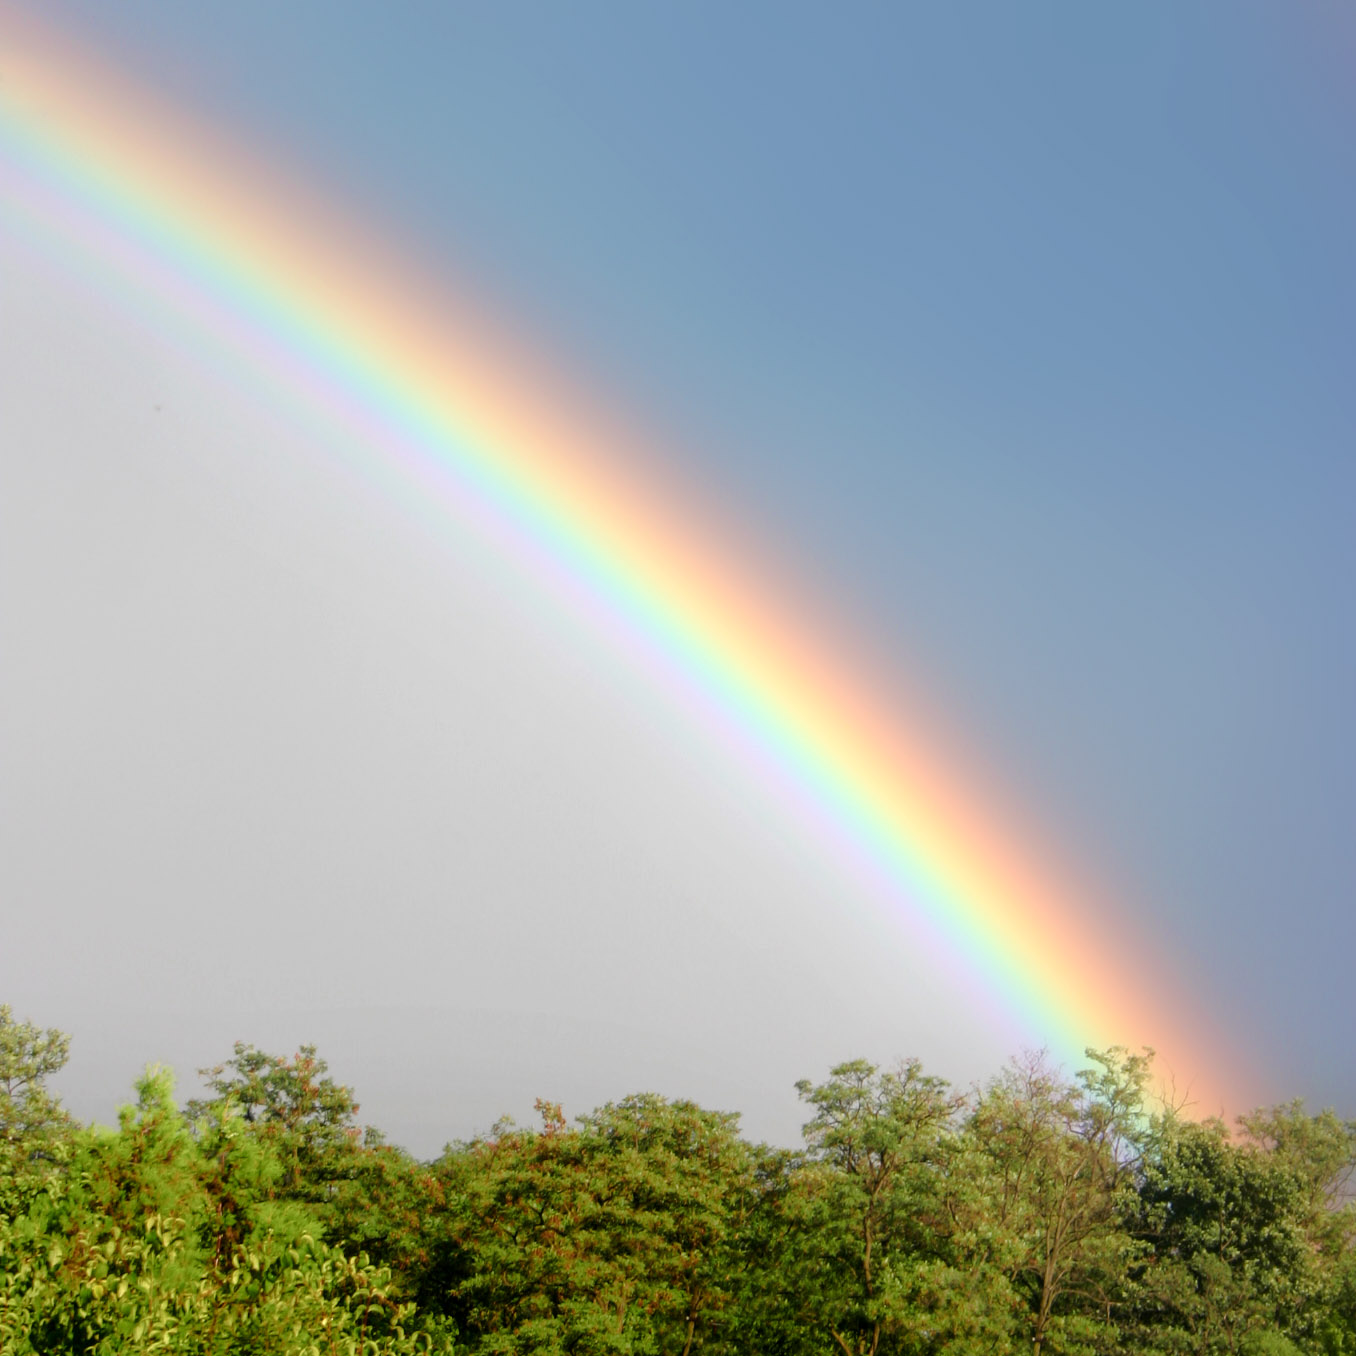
(613, 1236)
(1250, 1237)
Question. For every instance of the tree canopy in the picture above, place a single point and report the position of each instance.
(1045, 1212)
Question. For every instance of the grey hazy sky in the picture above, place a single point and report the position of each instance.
(1024, 332)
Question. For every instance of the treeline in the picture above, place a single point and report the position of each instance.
(1041, 1214)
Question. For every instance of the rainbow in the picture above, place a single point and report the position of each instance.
(453, 414)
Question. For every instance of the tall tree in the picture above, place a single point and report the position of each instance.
(877, 1144)
(1059, 1161)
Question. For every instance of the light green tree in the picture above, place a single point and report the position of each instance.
(29, 1056)
(874, 1248)
(1052, 1170)
(157, 1238)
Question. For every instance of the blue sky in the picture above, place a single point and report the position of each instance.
(1024, 333)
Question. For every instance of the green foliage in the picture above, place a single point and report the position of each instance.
(1250, 1245)
(154, 1238)
(1042, 1214)
(611, 1237)
(306, 1116)
(1053, 1166)
(29, 1115)
(872, 1245)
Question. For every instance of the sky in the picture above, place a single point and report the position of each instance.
(1013, 343)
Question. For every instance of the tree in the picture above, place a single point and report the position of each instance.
(613, 1236)
(1251, 1241)
(29, 1056)
(772, 1309)
(1059, 1163)
(877, 1144)
(157, 1238)
(678, 1179)
(307, 1117)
